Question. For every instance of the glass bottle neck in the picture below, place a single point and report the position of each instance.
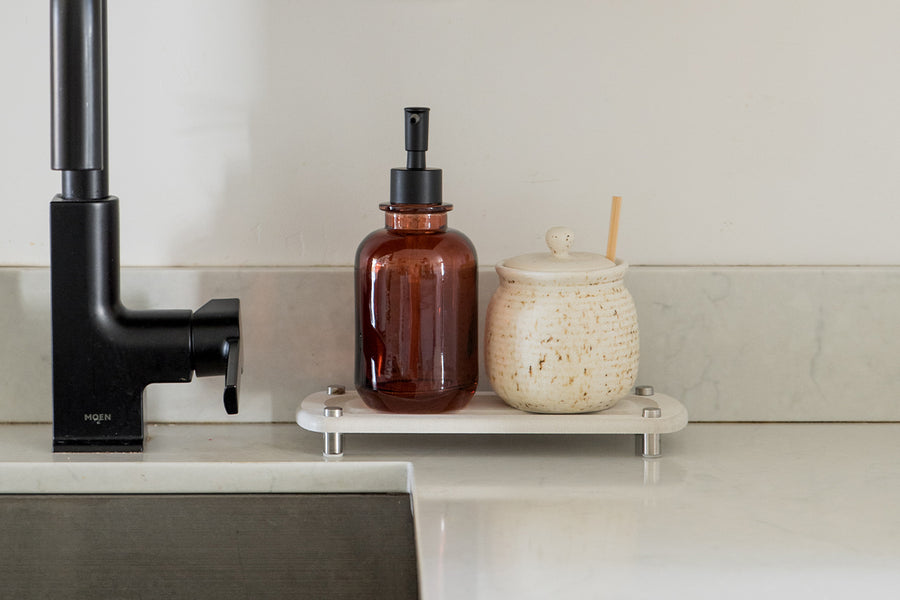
(416, 217)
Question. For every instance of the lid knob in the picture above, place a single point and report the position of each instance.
(559, 240)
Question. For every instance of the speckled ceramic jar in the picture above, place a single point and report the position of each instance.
(561, 334)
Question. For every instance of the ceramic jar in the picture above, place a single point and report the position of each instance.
(561, 333)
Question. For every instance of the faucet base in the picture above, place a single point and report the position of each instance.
(80, 446)
(104, 355)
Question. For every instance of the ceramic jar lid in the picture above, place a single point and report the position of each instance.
(560, 259)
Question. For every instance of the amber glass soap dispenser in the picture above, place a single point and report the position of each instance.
(416, 295)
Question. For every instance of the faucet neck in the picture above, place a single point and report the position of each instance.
(78, 99)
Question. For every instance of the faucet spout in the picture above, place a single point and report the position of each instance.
(105, 355)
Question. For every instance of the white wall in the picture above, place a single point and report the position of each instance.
(261, 132)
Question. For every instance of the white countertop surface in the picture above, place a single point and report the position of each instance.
(729, 510)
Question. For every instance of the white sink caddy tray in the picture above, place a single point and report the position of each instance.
(645, 413)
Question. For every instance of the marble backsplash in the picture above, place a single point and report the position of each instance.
(733, 343)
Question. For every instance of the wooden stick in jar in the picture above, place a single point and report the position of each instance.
(613, 228)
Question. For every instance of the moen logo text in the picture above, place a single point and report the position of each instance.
(97, 417)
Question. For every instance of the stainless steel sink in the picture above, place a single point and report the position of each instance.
(194, 546)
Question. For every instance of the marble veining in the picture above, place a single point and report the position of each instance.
(732, 343)
(772, 344)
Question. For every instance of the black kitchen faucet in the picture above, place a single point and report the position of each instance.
(104, 354)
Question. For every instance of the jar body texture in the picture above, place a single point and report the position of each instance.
(562, 343)
(416, 315)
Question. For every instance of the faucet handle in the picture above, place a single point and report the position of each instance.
(216, 345)
(233, 368)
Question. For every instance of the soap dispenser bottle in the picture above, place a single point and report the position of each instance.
(416, 295)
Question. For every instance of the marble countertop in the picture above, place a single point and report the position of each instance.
(729, 510)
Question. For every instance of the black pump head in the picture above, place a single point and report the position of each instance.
(416, 184)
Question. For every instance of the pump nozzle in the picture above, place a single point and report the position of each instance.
(416, 136)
